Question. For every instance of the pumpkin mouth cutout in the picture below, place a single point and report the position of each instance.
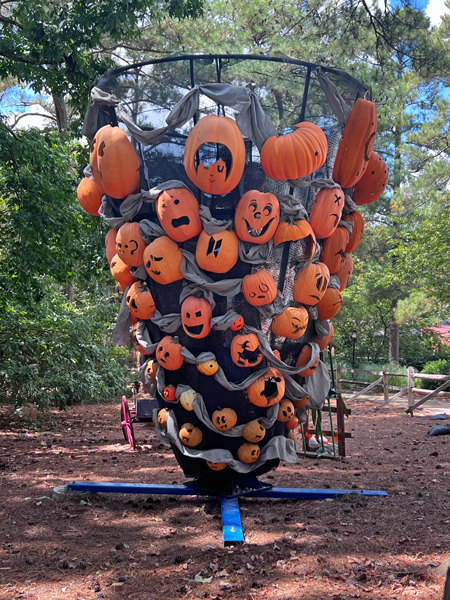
(180, 221)
(193, 330)
(297, 328)
(270, 390)
(258, 232)
(252, 357)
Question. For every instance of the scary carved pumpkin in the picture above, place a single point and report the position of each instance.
(303, 359)
(162, 260)
(330, 304)
(291, 323)
(190, 435)
(326, 340)
(310, 284)
(216, 466)
(209, 367)
(245, 350)
(345, 271)
(333, 251)
(221, 176)
(285, 410)
(129, 245)
(293, 231)
(248, 453)
(89, 196)
(253, 432)
(169, 393)
(256, 217)
(178, 213)
(373, 183)
(326, 211)
(110, 244)
(267, 390)
(238, 324)
(217, 253)
(224, 418)
(187, 398)
(168, 353)
(196, 314)
(357, 231)
(121, 272)
(114, 164)
(140, 301)
(151, 368)
(259, 288)
(296, 154)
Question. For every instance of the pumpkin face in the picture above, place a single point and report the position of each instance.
(259, 288)
(162, 260)
(224, 418)
(89, 196)
(268, 389)
(326, 211)
(248, 453)
(357, 231)
(221, 176)
(187, 399)
(345, 271)
(168, 353)
(285, 411)
(178, 213)
(326, 340)
(310, 284)
(293, 231)
(303, 359)
(296, 154)
(114, 164)
(152, 368)
(196, 314)
(291, 323)
(217, 253)
(140, 301)
(190, 435)
(216, 466)
(373, 183)
(333, 251)
(162, 417)
(355, 146)
(330, 304)
(256, 217)
(110, 244)
(238, 324)
(169, 393)
(129, 245)
(245, 350)
(253, 432)
(121, 272)
(209, 367)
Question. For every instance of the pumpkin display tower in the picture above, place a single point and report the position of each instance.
(233, 214)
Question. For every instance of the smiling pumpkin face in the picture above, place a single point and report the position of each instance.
(196, 314)
(162, 260)
(178, 213)
(257, 216)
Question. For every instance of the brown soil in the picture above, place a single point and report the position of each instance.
(170, 547)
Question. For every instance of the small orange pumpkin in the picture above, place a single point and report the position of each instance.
(162, 260)
(208, 367)
(162, 417)
(286, 411)
(89, 196)
(196, 314)
(310, 284)
(110, 244)
(253, 432)
(259, 288)
(333, 251)
(290, 425)
(373, 183)
(129, 245)
(152, 368)
(256, 217)
(140, 300)
(268, 389)
(238, 324)
(217, 253)
(224, 418)
(345, 271)
(326, 211)
(178, 213)
(303, 359)
(248, 453)
(187, 398)
(121, 272)
(169, 393)
(326, 340)
(216, 466)
(357, 231)
(168, 353)
(291, 323)
(245, 350)
(190, 435)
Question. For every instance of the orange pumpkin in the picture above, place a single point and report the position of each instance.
(303, 359)
(291, 323)
(245, 350)
(219, 177)
(114, 164)
(169, 393)
(355, 146)
(330, 304)
(168, 353)
(178, 213)
(256, 217)
(373, 183)
(292, 231)
(345, 271)
(217, 253)
(89, 196)
(286, 411)
(304, 401)
(238, 324)
(290, 425)
(162, 417)
(296, 154)
(140, 301)
(216, 466)
(208, 367)
(110, 244)
(357, 231)
(268, 389)
(248, 453)
(129, 245)
(224, 418)
(196, 314)
(162, 260)
(121, 272)
(190, 435)
(326, 340)
(253, 432)
(152, 368)
(333, 251)
(326, 211)
(259, 288)
(310, 284)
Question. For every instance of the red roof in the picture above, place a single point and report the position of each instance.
(443, 332)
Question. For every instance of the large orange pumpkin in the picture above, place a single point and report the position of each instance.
(245, 350)
(259, 288)
(356, 144)
(291, 323)
(296, 154)
(219, 177)
(178, 213)
(373, 183)
(217, 253)
(333, 251)
(130, 245)
(121, 272)
(310, 284)
(256, 217)
(268, 389)
(140, 301)
(196, 314)
(345, 271)
(89, 196)
(114, 163)
(162, 260)
(330, 304)
(168, 353)
(326, 211)
(357, 231)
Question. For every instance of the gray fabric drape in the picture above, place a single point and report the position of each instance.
(210, 224)
(318, 386)
(168, 323)
(96, 97)
(255, 254)
(150, 230)
(322, 328)
(121, 333)
(340, 108)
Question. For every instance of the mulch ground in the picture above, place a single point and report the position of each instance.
(133, 546)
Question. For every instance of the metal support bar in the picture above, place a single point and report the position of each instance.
(231, 521)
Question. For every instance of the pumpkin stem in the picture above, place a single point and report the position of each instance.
(176, 339)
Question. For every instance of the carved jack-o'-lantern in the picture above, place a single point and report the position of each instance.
(221, 176)
(345, 271)
(190, 435)
(259, 288)
(162, 260)
(129, 245)
(178, 213)
(140, 301)
(187, 399)
(268, 389)
(310, 284)
(253, 432)
(330, 304)
(238, 324)
(121, 272)
(285, 410)
(224, 418)
(208, 367)
(151, 368)
(110, 244)
(293, 231)
(169, 393)
(162, 417)
(216, 466)
(217, 253)
(333, 251)
(326, 211)
(303, 359)
(256, 217)
(245, 350)
(248, 453)
(291, 323)
(168, 353)
(196, 316)
(357, 231)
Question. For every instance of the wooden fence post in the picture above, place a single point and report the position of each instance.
(338, 379)
(410, 386)
(385, 385)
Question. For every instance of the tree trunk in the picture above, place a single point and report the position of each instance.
(61, 112)
(394, 337)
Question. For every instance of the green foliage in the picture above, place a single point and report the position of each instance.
(434, 367)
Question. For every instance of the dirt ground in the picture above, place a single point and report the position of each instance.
(82, 546)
